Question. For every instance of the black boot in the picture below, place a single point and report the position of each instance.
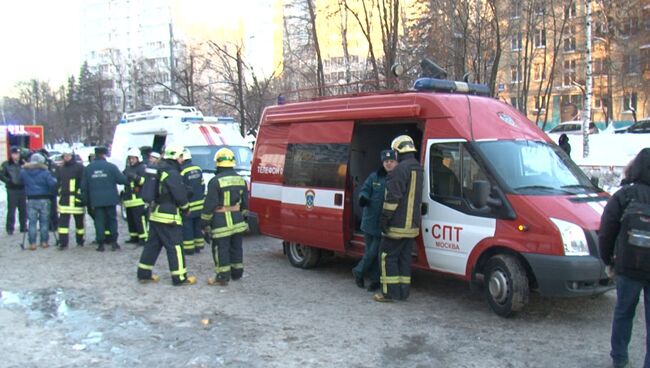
(115, 246)
(132, 240)
(100, 247)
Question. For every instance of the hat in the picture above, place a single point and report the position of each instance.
(15, 149)
(155, 154)
(388, 155)
(101, 150)
(37, 158)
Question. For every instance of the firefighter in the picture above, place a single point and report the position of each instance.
(132, 201)
(400, 222)
(68, 177)
(193, 179)
(99, 189)
(165, 221)
(225, 212)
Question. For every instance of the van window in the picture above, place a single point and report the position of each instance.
(316, 165)
(453, 171)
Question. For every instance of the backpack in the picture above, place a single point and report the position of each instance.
(633, 243)
(149, 190)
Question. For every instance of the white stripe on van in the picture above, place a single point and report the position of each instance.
(323, 198)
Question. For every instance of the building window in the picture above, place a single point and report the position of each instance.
(598, 101)
(540, 103)
(540, 38)
(571, 11)
(598, 66)
(514, 74)
(515, 42)
(631, 63)
(570, 39)
(515, 9)
(539, 74)
(629, 26)
(629, 102)
(517, 102)
(645, 59)
(569, 72)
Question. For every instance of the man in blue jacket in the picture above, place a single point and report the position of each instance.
(371, 198)
(99, 188)
(39, 184)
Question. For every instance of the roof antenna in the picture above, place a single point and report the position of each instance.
(432, 70)
(466, 77)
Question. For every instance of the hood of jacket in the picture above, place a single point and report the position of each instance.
(35, 166)
(639, 171)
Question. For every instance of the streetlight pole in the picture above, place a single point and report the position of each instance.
(588, 82)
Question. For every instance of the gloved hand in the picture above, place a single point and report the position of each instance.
(363, 201)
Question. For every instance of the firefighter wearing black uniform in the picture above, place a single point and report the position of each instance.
(132, 201)
(193, 179)
(165, 221)
(68, 178)
(400, 222)
(225, 212)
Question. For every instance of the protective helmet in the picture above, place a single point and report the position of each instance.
(133, 152)
(224, 158)
(173, 151)
(403, 144)
(187, 154)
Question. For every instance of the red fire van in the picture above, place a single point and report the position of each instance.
(516, 215)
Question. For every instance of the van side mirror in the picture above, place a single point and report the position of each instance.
(480, 193)
(594, 181)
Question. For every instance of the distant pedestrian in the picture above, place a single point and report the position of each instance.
(39, 185)
(99, 188)
(563, 142)
(371, 198)
(625, 246)
(10, 175)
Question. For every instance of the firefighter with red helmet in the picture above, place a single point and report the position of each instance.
(132, 201)
(400, 222)
(68, 177)
(165, 221)
(224, 212)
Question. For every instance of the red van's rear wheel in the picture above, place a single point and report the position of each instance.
(302, 256)
(506, 284)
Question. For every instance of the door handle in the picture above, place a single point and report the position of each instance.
(338, 199)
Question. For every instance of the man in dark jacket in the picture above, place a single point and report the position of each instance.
(193, 180)
(10, 175)
(165, 222)
(563, 142)
(615, 251)
(99, 189)
(39, 184)
(132, 200)
(371, 198)
(400, 222)
(69, 176)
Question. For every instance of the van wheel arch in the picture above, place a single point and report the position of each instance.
(302, 256)
(479, 267)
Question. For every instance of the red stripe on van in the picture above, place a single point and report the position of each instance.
(206, 135)
(216, 130)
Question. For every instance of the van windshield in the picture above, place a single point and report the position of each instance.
(203, 157)
(534, 168)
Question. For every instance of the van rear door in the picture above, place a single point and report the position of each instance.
(451, 227)
(316, 206)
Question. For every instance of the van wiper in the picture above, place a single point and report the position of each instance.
(540, 187)
(580, 186)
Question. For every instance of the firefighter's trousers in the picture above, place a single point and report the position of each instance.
(105, 224)
(228, 257)
(170, 237)
(192, 235)
(395, 265)
(64, 228)
(136, 219)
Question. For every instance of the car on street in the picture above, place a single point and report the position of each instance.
(573, 127)
(641, 126)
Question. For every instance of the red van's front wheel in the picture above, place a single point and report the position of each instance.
(506, 284)
(302, 256)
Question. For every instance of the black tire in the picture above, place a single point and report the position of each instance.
(506, 285)
(302, 256)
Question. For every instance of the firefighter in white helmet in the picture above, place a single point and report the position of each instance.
(165, 221)
(131, 198)
(224, 213)
(400, 222)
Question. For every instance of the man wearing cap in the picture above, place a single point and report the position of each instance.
(10, 175)
(39, 184)
(68, 177)
(400, 222)
(99, 190)
(371, 198)
(154, 159)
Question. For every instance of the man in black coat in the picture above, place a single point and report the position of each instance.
(99, 188)
(615, 251)
(10, 175)
(69, 176)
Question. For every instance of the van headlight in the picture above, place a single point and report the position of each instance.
(573, 238)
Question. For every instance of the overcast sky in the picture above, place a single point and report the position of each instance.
(38, 39)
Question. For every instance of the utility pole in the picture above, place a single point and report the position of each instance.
(588, 81)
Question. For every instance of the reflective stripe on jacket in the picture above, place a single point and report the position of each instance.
(172, 195)
(226, 191)
(403, 202)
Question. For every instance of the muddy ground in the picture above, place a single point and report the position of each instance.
(81, 308)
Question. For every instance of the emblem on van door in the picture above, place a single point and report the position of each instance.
(506, 118)
(309, 198)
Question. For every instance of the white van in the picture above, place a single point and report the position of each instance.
(184, 125)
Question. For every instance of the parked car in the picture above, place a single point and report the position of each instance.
(641, 126)
(573, 127)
